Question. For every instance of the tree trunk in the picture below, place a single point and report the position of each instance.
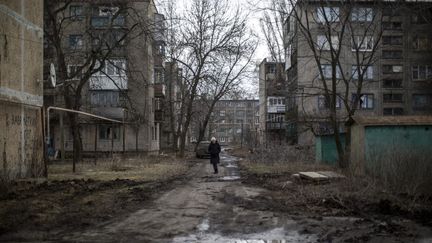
(77, 142)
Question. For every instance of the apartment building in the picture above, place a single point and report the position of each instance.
(235, 121)
(231, 122)
(272, 102)
(21, 100)
(398, 81)
(126, 89)
(170, 107)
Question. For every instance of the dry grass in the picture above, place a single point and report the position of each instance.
(143, 169)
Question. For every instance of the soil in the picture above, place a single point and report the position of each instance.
(201, 207)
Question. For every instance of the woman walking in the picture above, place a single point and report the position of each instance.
(214, 149)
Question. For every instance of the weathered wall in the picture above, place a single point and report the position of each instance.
(21, 133)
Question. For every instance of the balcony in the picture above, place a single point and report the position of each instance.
(160, 90)
(159, 116)
(276, 109)
(109, 112)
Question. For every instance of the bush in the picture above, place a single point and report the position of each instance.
(403, 171)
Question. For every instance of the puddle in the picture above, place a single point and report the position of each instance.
(277, 235)
(229, 178)
(231, 166)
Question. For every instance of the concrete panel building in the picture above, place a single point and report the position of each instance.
(272, 98)
(235, 122)
(21, 100)
(397, 82)
(126, 89)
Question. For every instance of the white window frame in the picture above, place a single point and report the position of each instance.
(324, 45)
(367, 75)
(327, 69)
(417, 69)
(363, 43)
(366, 102)
(322, 103)
(332, 14)
(362, 14)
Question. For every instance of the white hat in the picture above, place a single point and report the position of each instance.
(213, 139)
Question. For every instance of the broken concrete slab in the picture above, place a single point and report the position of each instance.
(331, 174)
(313, 176)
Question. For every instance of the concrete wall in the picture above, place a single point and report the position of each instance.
(21, 59)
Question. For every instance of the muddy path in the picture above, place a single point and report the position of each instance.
(203, 207)
(220, 208)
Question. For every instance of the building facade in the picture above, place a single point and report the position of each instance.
(272, 102)
(21, 100)
(170, 107)
(232, 122)
(126, 89)
(396, 82)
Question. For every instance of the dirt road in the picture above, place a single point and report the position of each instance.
(202, 210)
(221, 208)
(214, 208)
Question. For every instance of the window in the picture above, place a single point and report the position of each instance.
(159, 77)
(390, 12)
(392, 25)
(271, 69)
(363, 43)
(105, 98)
(392, 83)
(99, 21)
(362, 14)
(108, 132)
(323, 104)
(72, 72)
(392, 54)
(393, 111)
(327, 14)
(239, 121)
(367, 72)
(421, 72)
(118, 38)
(392, 40)
(221, 113)
(75, 12)
(421, 43)
(75, 41)
(422, 102)
(157, 104)
(388, 69)
(114, 67)
(366, 101)
(324, 44)
(327, 71)
(392, 98)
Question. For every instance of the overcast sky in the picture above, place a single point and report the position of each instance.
(251, 6)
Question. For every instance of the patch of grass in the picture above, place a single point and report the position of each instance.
(142, 169)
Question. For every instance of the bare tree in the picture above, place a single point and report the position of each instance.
(207, 34)
(89, 52)
(334, 35)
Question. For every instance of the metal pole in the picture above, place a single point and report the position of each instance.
(62, 144)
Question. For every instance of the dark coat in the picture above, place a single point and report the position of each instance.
(214, 149)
